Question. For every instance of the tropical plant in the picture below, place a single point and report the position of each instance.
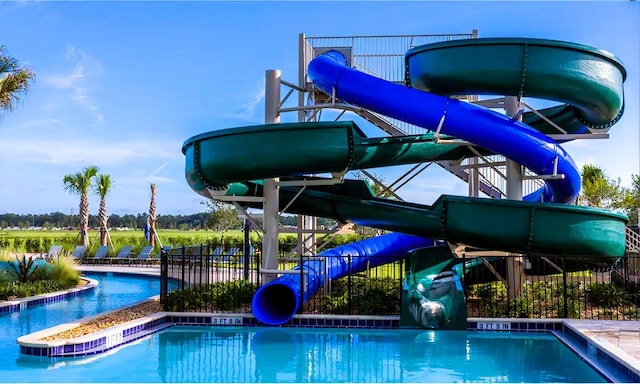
(104, 183)
(28, 276)
(79, 183)
(14, 80)
(598, 190)
(606, 295)
(22, 270)
(630, 201)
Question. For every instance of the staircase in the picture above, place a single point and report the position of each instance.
(632, 240)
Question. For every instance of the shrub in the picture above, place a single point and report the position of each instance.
(6, 255)
(16, 289)
(5, 278)
(606, 295)
(221, 296)
(358, 295)
(32, 245)
(63, 269)
(27, 277)
(491, 299)
(17, 243)
(22, 270)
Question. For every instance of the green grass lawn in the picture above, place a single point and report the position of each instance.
(116, 234)
(26, 241)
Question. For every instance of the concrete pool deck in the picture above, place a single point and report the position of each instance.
(620, 338)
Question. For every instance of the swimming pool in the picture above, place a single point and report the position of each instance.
(252, 354)
(112, 292)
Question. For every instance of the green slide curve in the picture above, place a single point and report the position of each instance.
(233, 161)
(218, 160)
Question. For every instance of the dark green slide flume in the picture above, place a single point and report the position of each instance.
(589, 81)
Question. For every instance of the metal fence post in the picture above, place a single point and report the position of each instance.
(302, 282)
(564, 290)
(402, 277)
(246, 248)
(349, 280)
(164, 276)
(182, 284)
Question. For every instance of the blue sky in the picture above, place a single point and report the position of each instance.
(122, 85)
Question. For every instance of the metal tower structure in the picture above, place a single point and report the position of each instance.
(383, 56)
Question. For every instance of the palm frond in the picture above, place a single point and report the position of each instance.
(14, 80)
(104, 184)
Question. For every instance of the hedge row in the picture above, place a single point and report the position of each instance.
(42, 244)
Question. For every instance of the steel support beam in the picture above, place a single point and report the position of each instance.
(271, 189)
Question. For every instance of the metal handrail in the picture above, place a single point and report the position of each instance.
(632, 240)
(446, 35)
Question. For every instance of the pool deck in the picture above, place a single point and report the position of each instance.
(151, 270)
(622, 338)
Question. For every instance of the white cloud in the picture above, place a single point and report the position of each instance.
(154, 177)
(247, 111)
(75, 83)
(32, 125)
(142, 177)
(83, 150)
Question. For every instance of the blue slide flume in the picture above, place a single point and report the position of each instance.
(276, 302)
(480, 126)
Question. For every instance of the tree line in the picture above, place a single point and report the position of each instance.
(203, 220)
(138, 221)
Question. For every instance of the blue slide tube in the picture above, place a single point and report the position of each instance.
(480, 126)
(276, 302)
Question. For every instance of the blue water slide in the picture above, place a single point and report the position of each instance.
(480, 126)
(276, 302)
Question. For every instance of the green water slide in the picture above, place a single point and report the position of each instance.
(585, 81)
(220, 160)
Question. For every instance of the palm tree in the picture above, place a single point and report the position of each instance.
(152, 217)
(598, 190)
(79, 184)
(103, 186)
(14, 80)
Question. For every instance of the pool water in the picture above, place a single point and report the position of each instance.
(112, 292)
(242, 354)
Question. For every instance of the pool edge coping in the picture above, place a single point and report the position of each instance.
(125, 333)
(26, 302)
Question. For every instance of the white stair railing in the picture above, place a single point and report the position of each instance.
(632, 240)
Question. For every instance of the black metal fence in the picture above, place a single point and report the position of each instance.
(547, 287)
(198, 278)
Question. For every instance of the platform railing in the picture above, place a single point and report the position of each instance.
(632, 240)
(383, 56)
(380, 56)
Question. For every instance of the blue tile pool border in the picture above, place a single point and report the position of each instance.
(47, 298)
(120, 335)
(600, 359)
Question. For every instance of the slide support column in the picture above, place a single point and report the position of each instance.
(271, 192)
(515, 265)
(306, 240)
(474, 178)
